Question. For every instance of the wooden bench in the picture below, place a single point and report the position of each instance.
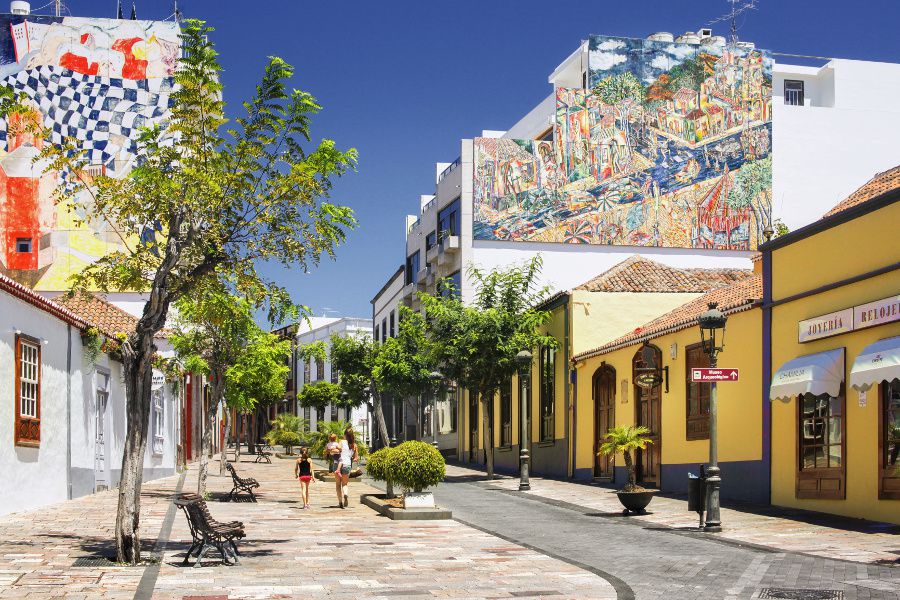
(241, 484)
(208, 533)
(263, 454)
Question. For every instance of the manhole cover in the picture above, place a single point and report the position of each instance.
(105, 561)
(794, 594)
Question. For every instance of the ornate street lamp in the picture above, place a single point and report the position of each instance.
(436, 379)
(712, 338)
(523, 361)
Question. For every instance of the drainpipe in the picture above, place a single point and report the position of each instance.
(69, 411)
(569, 463)
(767, 370)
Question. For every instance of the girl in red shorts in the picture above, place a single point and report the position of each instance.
(303, 471)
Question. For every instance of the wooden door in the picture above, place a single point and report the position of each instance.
(648, 407)
(604, 417)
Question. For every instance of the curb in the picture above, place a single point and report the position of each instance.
(376, 502)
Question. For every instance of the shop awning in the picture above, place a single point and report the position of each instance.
(815, 374)
(878, 362)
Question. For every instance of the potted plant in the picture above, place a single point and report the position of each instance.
(625, 440)
(416, 466)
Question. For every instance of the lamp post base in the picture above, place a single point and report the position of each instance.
(524, 483)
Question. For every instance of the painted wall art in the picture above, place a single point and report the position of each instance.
(95, 81)
(670, 146)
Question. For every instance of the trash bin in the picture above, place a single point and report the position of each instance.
(696, 492)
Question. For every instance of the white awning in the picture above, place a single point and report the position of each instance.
(815, 374)
(878, 362)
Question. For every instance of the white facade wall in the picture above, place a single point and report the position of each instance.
(66, 464)
(322, 330)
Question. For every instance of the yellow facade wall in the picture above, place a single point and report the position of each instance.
(740, 408)
(865, 244)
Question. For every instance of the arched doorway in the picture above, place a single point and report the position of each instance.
(648, 411)
(604, 387)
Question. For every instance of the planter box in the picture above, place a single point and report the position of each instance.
(418, 500)
(377, 503)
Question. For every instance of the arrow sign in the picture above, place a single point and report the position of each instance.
(706, 375)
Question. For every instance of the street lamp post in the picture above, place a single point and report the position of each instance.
(523, 360)
(712, 326)
(436, 379)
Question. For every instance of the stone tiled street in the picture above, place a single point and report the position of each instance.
(560, 540)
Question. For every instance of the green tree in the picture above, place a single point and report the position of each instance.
(625, 92)
(320, 394)
(212, 329)
(257, 377)
(287, 430)
(221, 198)
(476, 345)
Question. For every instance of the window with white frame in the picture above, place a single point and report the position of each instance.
(159, 428)
(28, 391)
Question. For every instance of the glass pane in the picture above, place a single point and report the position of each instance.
(809, 458)
(834, 453)
(809, 405)
(893, 453)
(821, 458)
(836, 404)
(834, 431)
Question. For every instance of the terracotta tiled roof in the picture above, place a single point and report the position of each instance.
(639, 274)
(108, 318)
(880, 184)
(28, 295)
(736, 297)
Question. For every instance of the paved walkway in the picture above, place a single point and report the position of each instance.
(780, 529)
(650, 557)
(325, 552)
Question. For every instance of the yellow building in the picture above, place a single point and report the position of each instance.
(831, 337)
(598, 311)
(644, 378)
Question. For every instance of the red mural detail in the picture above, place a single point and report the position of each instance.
(133, 68)
(79, 64)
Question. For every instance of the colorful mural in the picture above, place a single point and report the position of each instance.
(669, 147)
(97, 81)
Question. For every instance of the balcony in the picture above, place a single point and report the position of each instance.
(432, 253)
(422, 277)
(450, 244)
(449, 169)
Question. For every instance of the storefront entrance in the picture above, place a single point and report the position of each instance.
(604, 417)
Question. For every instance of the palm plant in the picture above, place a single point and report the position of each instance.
(624, 440)
(287, 430)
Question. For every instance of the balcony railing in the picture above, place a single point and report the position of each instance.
(450, 168)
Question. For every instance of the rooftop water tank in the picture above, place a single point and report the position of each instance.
(715, 40)
(661, 36)
(689, 37)
(20, 7)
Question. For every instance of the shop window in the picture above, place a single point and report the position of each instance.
(697, 427)
(889, 482)
(506, 413)
(28, 391)
(547, 392)
(821, 450)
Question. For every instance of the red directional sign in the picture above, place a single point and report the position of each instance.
(703, 375)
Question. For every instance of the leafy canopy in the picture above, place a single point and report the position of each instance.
(218, 197)
(258, 375)
(476, 345)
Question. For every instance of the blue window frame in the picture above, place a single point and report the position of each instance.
(449, 220)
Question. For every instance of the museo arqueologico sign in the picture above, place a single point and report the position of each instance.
(850, 319)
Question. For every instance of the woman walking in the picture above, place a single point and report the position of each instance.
(303, 471)
(345, 462)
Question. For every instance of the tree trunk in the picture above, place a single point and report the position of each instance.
(222, 457)
(251, 428)
(378, 414)
(217, 383)
(629, 465)
(238, 430)
(488, 436)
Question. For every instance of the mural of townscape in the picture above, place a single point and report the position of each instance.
(97, 81)
(669, 147)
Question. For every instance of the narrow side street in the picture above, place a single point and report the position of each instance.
(325, 552)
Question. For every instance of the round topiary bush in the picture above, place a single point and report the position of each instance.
(289, 439)
(377, 465)
(416, 466)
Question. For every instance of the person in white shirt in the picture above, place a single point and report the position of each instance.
(348, 454)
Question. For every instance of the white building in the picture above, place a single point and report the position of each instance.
(834, 128)
(310, 371)
(66, 431)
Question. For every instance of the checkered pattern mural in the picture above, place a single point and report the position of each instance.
(103, 113)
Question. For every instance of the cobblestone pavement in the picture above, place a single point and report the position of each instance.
(654, 557)
(325, 552)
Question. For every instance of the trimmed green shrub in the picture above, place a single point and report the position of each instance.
(378, 465)
(416, 466)
(289, 439)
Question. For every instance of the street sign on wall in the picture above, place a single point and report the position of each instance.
(706, 375)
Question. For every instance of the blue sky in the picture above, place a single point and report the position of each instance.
(403, 82)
